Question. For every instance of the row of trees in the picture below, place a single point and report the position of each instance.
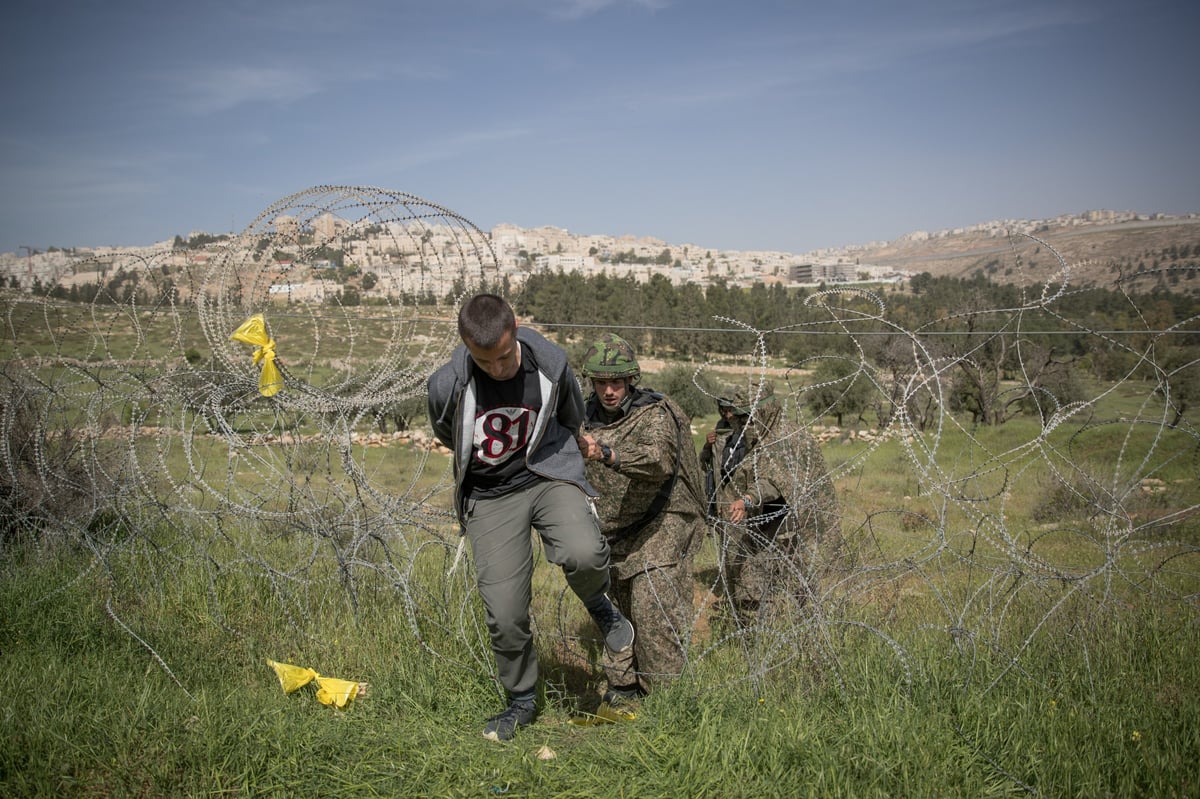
(1010, 350)
(965, 345)
(692, 323)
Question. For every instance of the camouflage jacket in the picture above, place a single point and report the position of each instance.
(649, 442)
(718, 461)
(783, 473)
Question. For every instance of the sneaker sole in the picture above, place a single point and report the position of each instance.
(628, 646)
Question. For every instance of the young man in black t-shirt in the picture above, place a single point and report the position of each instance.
(509, 407)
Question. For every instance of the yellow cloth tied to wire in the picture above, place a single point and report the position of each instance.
(254, 331)
(330, 690)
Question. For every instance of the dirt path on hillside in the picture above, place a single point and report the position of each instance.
(656, 365)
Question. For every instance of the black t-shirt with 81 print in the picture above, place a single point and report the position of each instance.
(506, 412)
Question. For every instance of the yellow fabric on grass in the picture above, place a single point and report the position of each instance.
(330, 691)
(605, 714)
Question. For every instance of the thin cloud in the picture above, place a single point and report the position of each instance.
(74, 181)
(871, 47)
(215, 89)
(440, 149)
(578, 9)
(749, 67)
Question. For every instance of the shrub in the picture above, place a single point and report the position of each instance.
(691, 391)
(50, 478)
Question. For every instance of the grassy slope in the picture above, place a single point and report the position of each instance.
(143, 674)
(1105, 699)
(91, 714)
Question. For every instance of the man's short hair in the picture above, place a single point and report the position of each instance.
(484, 319)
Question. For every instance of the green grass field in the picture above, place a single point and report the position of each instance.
(143, 673)
(1016, 616)
(1102, 704)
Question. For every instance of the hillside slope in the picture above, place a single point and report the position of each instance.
(1096, 254)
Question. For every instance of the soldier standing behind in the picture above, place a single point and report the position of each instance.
(717, 459)
(779, 502)
(640, 458)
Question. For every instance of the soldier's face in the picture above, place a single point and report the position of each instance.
(610, 392)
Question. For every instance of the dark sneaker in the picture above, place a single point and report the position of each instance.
(622, 697)
(618, 630)
(504, 726)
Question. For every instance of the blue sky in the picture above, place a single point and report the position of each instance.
(747, 124)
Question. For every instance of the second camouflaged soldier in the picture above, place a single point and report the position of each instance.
(779, 503)
(718, 460)
(641, 460)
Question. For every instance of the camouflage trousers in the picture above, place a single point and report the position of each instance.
(659, 602)
(763, 566)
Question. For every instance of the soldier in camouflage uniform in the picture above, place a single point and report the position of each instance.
(640, 457)
(717, 459)
(779, 503)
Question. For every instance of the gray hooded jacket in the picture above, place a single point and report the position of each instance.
(552, 452)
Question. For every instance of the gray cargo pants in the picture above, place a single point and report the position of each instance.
(502, 548)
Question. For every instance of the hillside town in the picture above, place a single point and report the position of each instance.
(420, 256)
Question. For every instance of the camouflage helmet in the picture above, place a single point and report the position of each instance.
(610, 357)
(746, 398)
